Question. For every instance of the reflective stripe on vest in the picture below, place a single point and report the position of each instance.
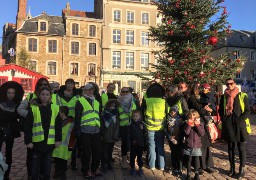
(37, 129)
(62, 151)
(70, 104)
(241, 102)
(125, 117)
(90, 115)
(155, 114)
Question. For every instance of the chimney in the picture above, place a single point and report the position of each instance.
(21, 16)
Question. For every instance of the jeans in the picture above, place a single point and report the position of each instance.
(41, 162)
(156, 141)
(91, 152)
(136, 151)
(60, 165)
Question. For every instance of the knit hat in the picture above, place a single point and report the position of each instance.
(88, 86)
(174, 108)
(206, 86)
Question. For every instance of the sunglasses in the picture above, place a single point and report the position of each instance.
(227, 84)
(125, 91)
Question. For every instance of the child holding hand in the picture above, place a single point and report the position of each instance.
(194, 130)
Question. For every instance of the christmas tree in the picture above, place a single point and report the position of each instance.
(189, 31)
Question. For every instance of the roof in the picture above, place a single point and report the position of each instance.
(239, 38)
(74, 13)
(16, 67)
(55, 25)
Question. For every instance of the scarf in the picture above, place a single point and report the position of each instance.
(126, 102)
(230, 94)
(109, 116)
(8, 106)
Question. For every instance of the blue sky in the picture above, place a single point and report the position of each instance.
(242, 12)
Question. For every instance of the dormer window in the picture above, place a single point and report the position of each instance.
(42, 26)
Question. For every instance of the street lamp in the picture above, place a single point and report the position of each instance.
(13, 72)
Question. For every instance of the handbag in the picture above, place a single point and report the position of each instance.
(213, 130)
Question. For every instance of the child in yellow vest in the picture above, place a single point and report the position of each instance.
(42, 133)
(62, 153)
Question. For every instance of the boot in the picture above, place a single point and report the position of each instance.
(188, 176)
(241, 173)
(124, 163)
(196, 176)
(232, 171)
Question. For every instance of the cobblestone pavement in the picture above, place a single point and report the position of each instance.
(219, 153)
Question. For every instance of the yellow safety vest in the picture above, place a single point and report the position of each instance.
(155, 114)
(90, 115)
(125, 117)
(241, 101)
(70, 104)
(179, 107)
(62, 151)
(37, 129)
(104, 99)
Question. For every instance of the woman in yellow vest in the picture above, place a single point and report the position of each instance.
(63, 153)
(234, 111)
(125, 112)
(87, 128)
(109, 94)
(42, 133)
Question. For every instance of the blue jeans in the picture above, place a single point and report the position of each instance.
(156, 141)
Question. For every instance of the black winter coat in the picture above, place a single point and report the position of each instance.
(138, 133)
(234, 126)
(193, 103)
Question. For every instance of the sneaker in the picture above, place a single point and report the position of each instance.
(132, 172)
(153, 168)
(97, 173)
(89, 175)
(200, 172)
(140, 172)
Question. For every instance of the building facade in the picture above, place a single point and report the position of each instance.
(241, 43)
(126, 48)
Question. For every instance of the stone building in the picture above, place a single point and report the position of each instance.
(61, 47)
(241, 43)
(126, 50)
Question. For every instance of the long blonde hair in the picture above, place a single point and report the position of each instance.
(192, 111)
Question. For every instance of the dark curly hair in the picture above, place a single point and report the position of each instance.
(39, 85)
(19, 92)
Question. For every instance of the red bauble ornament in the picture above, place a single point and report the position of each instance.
(238, 60)
(170, 32)
(212, 40)
(192, 26)
(169, 21)
(203, 60)
(172, 61)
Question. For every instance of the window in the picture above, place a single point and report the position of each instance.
(51, 68)
(252, 74)
(32, 65)
(117, 15)
(116, 60)
(117, 36)
(74, 47)
(52, 46)
(132, 84)
(129, 37)
(92, 48)
(238, 75)
(145, 18)
(92, 31)
(237, 54)
(130, 17)
(42, 26)
(253, 53)
(75, 29)
(144, 39)
(92, 69)
(129, 60)
(32, 45)
(26, 84)
(144, 58)
(74, 68)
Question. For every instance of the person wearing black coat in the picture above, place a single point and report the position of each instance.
(233, 125)
(11, 94)
(193, 101)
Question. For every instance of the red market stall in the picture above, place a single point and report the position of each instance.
(27, 78)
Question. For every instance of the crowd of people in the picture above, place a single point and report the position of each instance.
(66, 123)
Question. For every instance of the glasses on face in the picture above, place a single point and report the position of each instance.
(125, 91)
(231, 84)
